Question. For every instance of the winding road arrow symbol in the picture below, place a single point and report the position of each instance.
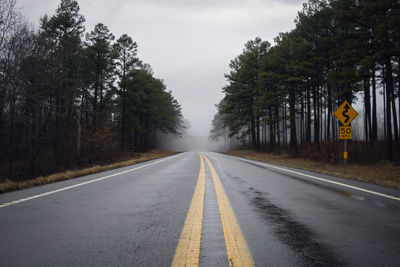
(344, 113)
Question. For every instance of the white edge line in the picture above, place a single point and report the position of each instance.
(318, 178)
(78, 185)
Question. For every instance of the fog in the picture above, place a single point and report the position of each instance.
(189, 143)
(189, 44)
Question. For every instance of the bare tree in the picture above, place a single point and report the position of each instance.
(13, 34)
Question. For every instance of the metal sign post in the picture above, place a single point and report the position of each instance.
(345, 114)
(345, 157)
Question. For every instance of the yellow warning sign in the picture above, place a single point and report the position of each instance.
(345, 132)
(345, 113)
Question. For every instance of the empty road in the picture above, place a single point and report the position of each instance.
(203, 209)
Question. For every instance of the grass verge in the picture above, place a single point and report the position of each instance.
(386, 174)
(8, 186)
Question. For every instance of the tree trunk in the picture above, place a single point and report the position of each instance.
(374, 132)
(95, 102)
(258, 132)
(308, 123)
(253, 133)
(284, 131)
(394, 113)
(384, 107)
(302, 112)
(271, 130)
(277, 127)
(316, 119)
(123, 87)
(389, 89)
(329, 117)
(123, 116)
(367, 109)
(292, 114)
(11, 135)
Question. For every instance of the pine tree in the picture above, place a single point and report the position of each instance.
(125, 52)
(101, 60)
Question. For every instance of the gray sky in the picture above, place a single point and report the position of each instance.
(189, 44)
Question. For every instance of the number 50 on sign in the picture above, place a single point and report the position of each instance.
(345, 132)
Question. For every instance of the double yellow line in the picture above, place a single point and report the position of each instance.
(188, 249)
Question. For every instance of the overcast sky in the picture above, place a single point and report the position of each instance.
(188, 43)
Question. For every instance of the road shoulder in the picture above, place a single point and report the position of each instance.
(384, 174)
(9, 186)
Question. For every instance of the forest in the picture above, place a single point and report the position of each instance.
(284, 96)
(71, 97)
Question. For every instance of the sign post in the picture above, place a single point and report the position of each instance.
(345, 114)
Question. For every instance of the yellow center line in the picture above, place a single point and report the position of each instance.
(188, 249)
(236, 246)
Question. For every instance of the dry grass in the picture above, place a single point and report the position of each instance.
(386, 174)
(12, 186)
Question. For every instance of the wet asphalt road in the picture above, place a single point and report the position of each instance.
(135, 218)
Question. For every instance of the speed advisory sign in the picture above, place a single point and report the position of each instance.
(346, 132)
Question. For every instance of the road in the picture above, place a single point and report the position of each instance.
(207, 209)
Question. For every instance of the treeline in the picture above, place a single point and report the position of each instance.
(287, 93)
(69, 98)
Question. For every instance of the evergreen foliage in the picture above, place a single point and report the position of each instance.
(286, 94)
(66, 100)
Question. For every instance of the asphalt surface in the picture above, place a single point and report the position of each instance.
(133, 216)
